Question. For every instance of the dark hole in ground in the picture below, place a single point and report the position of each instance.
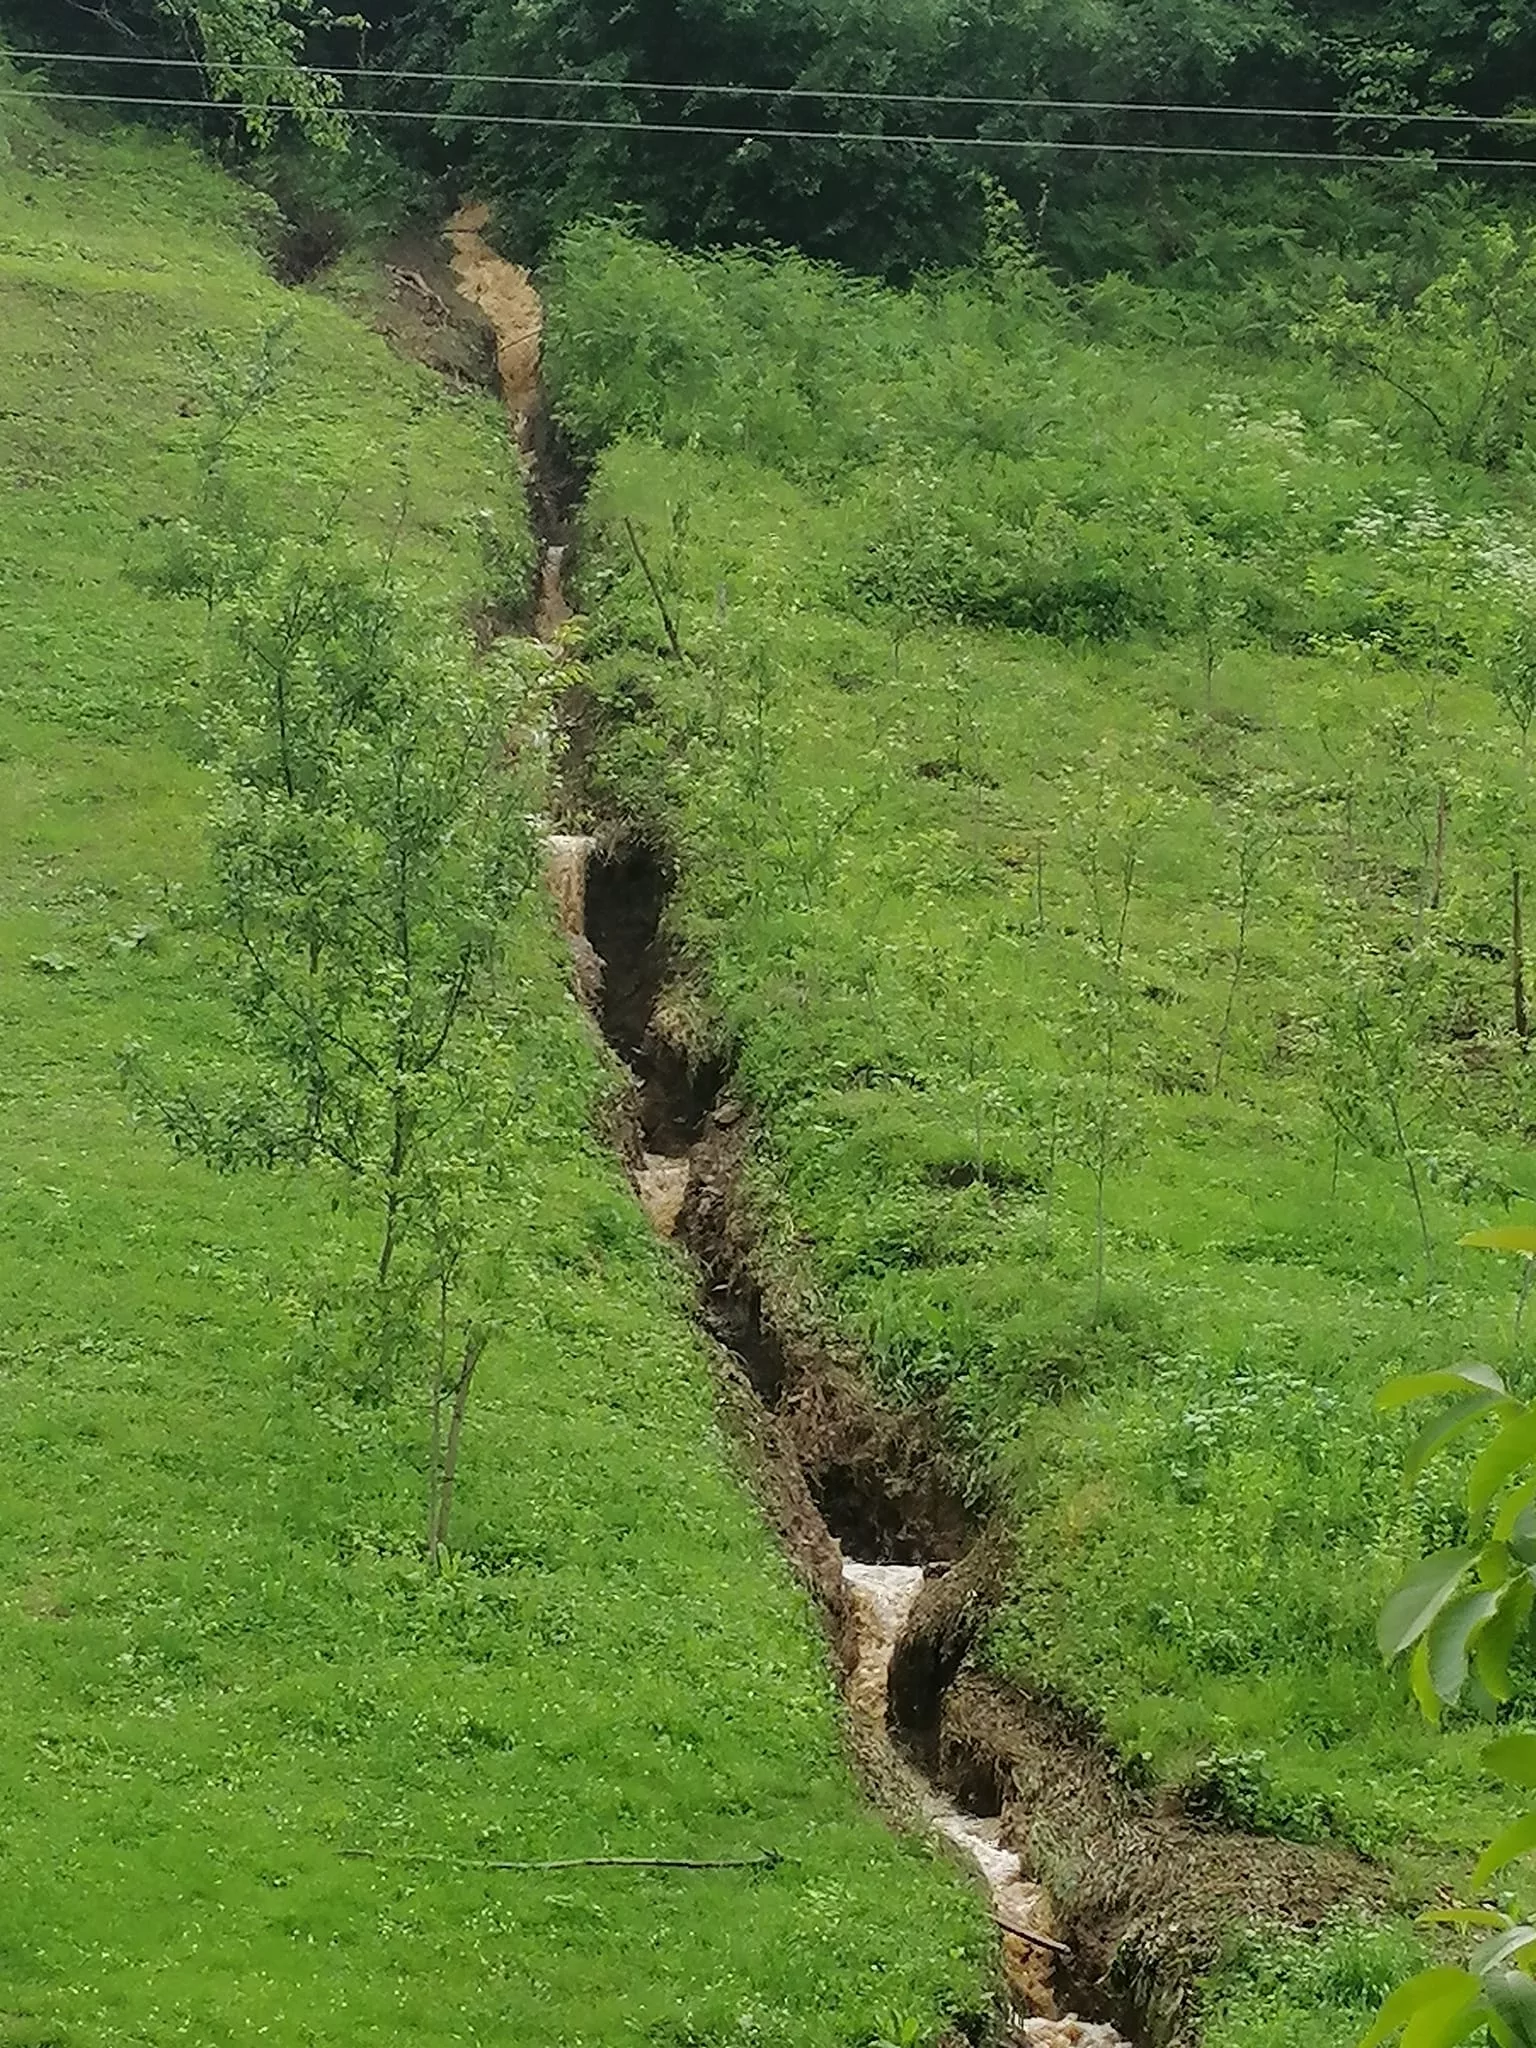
(977, 1778)
(627, 891)
(300, 250)
(734, 1314)
(994, 1173)
(872, 1522)
(558, 479)
(676, 1097)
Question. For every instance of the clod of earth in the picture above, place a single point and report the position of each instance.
(662, 1185)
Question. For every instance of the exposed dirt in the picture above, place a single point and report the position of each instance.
(884, 1480)
(1140, 1891)
(421, 311)
(1135, 1888)
(505, 295)
(1144, 1891)
(679, 1079)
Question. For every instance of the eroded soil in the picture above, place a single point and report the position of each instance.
(504, 293)
(1107, 1898)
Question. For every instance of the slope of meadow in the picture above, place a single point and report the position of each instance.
(224, 1662)
(1096, 828)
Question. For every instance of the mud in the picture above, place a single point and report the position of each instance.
(421, 312)
(505, 296)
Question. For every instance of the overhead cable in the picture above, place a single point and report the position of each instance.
(703, 87)
(994, 144)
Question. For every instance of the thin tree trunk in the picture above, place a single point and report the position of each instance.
(1101, 1173)
(1052, 1146)
(439, 1536)
(1437, 872)
(1237, 974)
(1101, 1167)
(1039, 885)
(1517, 960)
(661, 603)
(1414, 1189)
(435, 1470)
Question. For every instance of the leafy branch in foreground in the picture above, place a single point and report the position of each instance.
(369, 845)
(1456, 357)
(1458, 1617)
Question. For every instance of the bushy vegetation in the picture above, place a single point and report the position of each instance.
(256, 56)
(1096, 118)
(1101, 804)
(226, 1661)
(886, 204)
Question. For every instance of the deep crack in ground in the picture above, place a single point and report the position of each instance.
(867, 1502)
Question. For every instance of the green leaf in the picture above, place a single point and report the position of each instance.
(1512, 1758)
(1443, 2024)
(1503, 1237)
(1512, 1996)
(1502, 1948)
(1479, 1699)
(1512, 1508)
(1450, 1639)
(1419, 1598)
(1495, 1644)
(1455, 1379)
(1522, 1535)
(1499, 1461)
(1427, 1989)
(1421, 1685)
(1518, 1839)
(1495, 1566)
(1443, 1429)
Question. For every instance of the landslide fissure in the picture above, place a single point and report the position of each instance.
(869, 1500)
(1107, 1900)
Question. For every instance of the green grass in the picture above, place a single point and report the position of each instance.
(903, 826)
(224, 1663)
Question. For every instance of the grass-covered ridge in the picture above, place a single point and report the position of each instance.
(1087, 774)
(223, 1660)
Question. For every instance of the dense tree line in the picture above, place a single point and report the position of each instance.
(1375, 63)
(901, 206)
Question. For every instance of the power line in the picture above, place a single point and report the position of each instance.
(995, 144)
(701, 87)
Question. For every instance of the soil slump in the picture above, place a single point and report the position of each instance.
(505, 294)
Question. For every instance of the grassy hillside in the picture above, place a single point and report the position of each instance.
(1097, 825)
(223, 1661)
